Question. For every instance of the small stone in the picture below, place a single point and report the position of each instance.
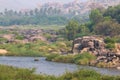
(36, 59)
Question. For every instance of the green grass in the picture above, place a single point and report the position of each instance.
(83, 58)
(45, 27)
(19, 37)
(52, 56)
(4, 32)
(28, 49)
(11, 73)
(110, 43)
(64, 59)
(38, 48)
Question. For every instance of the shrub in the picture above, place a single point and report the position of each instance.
(82, 61)
(110, 46)
(64, 58)
(3, 39)
(102, 64)
(109, 40)
(48, 36)
(19, 37)
(110, 43)
(51, 57)
(84, 58)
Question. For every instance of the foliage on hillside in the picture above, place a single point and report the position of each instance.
(37, 17)
(105, 22)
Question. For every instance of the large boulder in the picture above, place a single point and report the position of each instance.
(91, 44)
(96, 46)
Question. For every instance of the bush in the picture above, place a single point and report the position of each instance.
(82, 61)
(3, 39)
(101, 64)
(51, 57)
(64, 58)
(48, 36)
(110, 46)
(109, 40)
(84, 58)
(19, 37)
(110, 43)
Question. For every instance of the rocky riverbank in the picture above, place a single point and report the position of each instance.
(97, 46)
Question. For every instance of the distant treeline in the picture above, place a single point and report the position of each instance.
(37, 16)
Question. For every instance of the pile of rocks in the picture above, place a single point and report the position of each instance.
(90, 44)
(96, 46)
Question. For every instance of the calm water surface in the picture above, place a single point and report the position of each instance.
(50, 68)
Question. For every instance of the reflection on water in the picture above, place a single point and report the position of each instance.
(49, 68)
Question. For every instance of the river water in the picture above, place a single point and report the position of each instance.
(50, 68)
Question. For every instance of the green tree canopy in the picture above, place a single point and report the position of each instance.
(107, 28)
(113, 12)
(83, 30)
(71, 29)
(96, 16)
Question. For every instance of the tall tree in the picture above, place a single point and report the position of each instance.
(71, 29)
(108, 28)
(113, 12)
(96, 16)
(83, 30)
(31, 12)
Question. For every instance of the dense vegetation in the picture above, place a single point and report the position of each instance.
(37, 16)
(105, 22)
(73, 29)
(11, 73)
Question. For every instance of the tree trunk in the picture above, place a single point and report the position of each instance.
(72, 46)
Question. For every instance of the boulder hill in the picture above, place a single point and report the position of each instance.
(97, 46)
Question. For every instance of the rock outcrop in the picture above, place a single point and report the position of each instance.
(90, 44)
(96, 46)
(117, 48)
